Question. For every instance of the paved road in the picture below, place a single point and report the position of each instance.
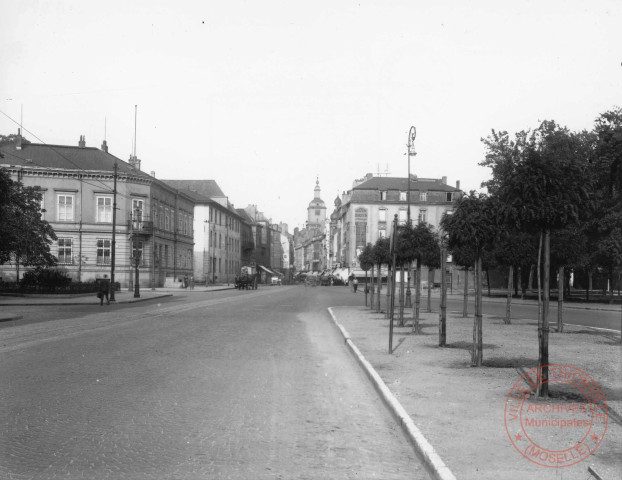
(239, 385)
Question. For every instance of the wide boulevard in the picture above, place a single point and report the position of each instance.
(201, 385)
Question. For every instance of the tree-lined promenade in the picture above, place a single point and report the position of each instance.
(553, 205)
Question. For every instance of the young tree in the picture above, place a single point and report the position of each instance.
(366, 261)
(381, 255)
(26, 238)
(464, 256)
(423, 244)
(543, 188)
(473, 224)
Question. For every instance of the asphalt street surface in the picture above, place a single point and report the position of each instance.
(232, 385)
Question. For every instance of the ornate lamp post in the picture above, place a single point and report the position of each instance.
(412, 134)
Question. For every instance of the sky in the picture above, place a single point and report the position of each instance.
(267, 96)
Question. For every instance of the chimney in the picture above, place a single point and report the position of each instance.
(105, 146)
(458, 184)
(82, 142)
(134, 162)
(18, 139)
(444, 180)
(153, 173)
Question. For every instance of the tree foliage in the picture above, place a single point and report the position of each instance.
(26, 238)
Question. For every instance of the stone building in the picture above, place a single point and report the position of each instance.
(153, 220)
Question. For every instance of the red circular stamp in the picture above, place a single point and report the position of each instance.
(562, 430)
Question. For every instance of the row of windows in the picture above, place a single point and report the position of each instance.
(231, 244)
(402, 215)
(423, 196)
(216, 217)
(103, 246)
(65, 253)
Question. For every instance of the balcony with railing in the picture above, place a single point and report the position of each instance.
(139, 224)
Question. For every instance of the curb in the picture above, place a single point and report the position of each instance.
(81, 303)
(422, 447)
(11, 318)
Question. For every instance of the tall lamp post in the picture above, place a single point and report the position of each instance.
(412, 134)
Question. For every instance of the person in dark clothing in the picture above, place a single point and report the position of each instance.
(355, 284)
(104, 290)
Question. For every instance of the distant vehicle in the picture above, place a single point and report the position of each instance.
(275, 281)
(247, 280)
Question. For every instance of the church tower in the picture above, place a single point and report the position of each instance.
(316, 211)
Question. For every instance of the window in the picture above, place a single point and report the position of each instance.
(65, 255)
(403, 196)
(382, 215)
(402, 216)
(383, 195)
(166, 262)
(423, 196)
(103, 251)
(317, 212)
(361, 234)
(64, 206)
(423, 216)
(382, 233)
(167, 219)
(137, 212)
(104, 209)
(137, 250)
(450, 196)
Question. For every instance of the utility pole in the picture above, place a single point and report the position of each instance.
(114, 231)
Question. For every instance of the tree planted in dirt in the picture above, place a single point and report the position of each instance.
(545, 189)
(514, 249)
(366, 261)
(405, 254)
(473, 224)
(605, 223)
(423, 244)
(381, 254)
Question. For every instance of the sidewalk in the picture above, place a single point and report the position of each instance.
(460, 410)
(122, 296)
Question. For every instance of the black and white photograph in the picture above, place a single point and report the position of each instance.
(274, 240)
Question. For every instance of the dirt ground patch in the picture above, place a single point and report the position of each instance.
(461, 409)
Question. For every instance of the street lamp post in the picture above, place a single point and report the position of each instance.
(412, 134)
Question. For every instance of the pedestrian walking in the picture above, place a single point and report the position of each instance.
(191, 282)
(104, 291)
(185, 281)
(355, 284)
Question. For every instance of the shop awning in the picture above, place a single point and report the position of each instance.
(267, 270)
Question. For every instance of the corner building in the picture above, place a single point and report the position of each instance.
(365, 213)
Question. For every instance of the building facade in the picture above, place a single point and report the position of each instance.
(218, 232)
(153, 222)
(366, 212)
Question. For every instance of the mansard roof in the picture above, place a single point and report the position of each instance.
(401, 184)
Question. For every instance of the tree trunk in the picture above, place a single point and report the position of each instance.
(401, 320)
(430, 283)
(417, 297)
(488, 280)
(544, 347)
(589, 285)
(442, 324)
(530, 281)
(517, 282)
(560, 300)
(465, 303)
(371, 291)
(477, 353)
(379, 286)
(387, 310)
(508, 306)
